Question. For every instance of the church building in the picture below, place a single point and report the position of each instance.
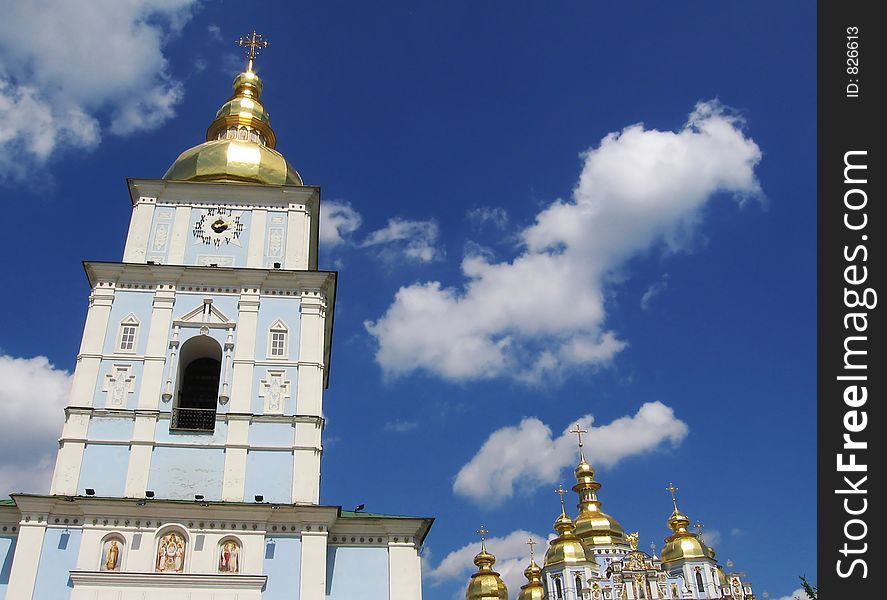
(189, 463)
(592, 558)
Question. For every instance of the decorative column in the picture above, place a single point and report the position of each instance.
(26, 560)
(309, 398)
(139, 230)
(312, 582)
(404, 570)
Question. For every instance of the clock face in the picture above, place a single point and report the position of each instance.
(218, 226)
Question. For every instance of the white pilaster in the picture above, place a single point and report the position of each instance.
(309, 393)
(235, 458)
(306, 463)
(180, 235)
(23, 574)
(298, 234)
(86, 373)
(404, 572)
(312, 582)
(155, 351)
(255, 251)
(70, 455)
(244, 352)
(140, 450)
(139, 230)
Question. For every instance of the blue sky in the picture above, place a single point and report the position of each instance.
(539, 215)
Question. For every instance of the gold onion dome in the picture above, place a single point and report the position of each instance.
(533, 589)
(682, 543)
(566, 547)
(239, 143)
(486, 583)
(593, 526)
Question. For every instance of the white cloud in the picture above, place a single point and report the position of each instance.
(543, 312)
(512, 557)
(653, 291)
(416, 240)
(711, 537)
(528, 455)
(798, 594)
(69, 69)
(32, 401)
(401, 426)
(338, 220)
(483, 215)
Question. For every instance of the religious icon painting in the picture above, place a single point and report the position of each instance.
(171, 553)
(112, 554)
(229, 556)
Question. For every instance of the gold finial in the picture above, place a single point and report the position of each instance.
(531, 542)
(579, 431)
(254, 42)
(653, 547)
(673, 491)
(699, 527)
(560, 490)
(483, 531)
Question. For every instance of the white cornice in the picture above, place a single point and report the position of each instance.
(169, 580)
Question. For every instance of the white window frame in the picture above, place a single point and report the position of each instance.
(129, 321)
(278, 327)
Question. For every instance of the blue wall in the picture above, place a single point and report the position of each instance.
(110, 428)
(104, 469)
(58, 557)
(272, 308)
(180, 473)
(270, 474)
(138, 302)
(7, 550)
(356, 573)
(282, 566)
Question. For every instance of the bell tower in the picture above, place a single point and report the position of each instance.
(206, 350)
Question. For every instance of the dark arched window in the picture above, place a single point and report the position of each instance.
(198, 385)
(699, 585)
(559, 589)
(578, 585)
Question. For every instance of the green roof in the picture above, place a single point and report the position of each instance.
(7, 502)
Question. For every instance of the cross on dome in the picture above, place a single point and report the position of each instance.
(254, 42)
(531, 542)
(673, 490)
(579, 431)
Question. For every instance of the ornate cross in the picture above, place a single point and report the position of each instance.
(254, 42)
(579, 431)
(483, 532)
(531, 542)
(560, 490)
(673, 491)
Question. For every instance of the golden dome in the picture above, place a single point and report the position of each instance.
(593, 526)
(683, 544)
(486, 583)
(239, 143)
(533, 589)
(566, 547)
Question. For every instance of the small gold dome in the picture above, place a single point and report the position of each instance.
(533, 589)
(566, 547)
(239, 143)
(486, 583)
(683, 544)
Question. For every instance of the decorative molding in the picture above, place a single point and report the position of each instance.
(118, 384)
(275, 390)
(229, 581)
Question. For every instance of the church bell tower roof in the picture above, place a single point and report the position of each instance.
(240, 142)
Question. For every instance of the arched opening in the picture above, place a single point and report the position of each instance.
(558, 588)
(578, 580)
(200, 365)
(699, 585)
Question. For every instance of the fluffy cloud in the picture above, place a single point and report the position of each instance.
(338, 220)
(528, 454)
(798, 594)
(543, 311)
(32, 401)
(69, 69)
(416, 240)
(512, 557)
(484, 215)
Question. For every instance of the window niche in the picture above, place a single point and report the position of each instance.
(229, 555)
(170, 556)
(113, 549)
(197, 388)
